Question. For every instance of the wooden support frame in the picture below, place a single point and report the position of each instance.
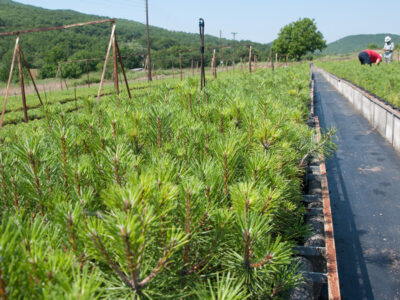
(116, 57)
(9, 81)
(19, 54)
(103, 74)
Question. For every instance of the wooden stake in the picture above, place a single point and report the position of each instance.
(115, 62)
(191, 67)
(21, 82)
(272, 60)
(105, 62)
(9, 81)
(180, 63)
(87, 72)
(30, 75)
(214, 66)
(250, 60)
(123, 69)
(59, 72)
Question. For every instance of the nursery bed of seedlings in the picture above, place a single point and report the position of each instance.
(68, 98)
(181, 193)
(382, 80)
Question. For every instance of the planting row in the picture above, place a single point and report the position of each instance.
(382, 81)
(178, 194)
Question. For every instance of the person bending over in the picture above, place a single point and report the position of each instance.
(369, 57)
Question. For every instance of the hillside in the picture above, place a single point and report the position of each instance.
(46, 49)
(354, 43)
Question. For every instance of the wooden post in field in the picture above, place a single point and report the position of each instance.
(31, 76)
(9, 81)
(214, 65)
(180, 64)
(123, 69)
(276, 57)
(106, 61)
(250, 60)
(116, 85)
(192, 68)
(255, 62)
(272, 60)
(76, 99)
(21, 82)
(87, 72)
(59, 72)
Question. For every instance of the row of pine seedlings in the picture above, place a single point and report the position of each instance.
(180, 193)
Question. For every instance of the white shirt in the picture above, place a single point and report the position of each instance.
(389, 47)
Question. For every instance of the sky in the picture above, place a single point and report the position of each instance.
(255, 20)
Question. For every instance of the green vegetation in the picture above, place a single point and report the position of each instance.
(383, 81)
(373, 46)
(298, 39)
(175, 194)
(356, 43)
(45, 49)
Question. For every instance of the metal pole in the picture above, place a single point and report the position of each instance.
(9, 81)
(149, 78)
(203, 74)
(21, 82)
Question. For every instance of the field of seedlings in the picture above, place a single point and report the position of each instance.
(382, 81)
(177, 193)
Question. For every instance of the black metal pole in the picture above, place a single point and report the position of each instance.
(203, 74)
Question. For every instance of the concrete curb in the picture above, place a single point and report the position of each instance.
(384, 118)
(317, 256)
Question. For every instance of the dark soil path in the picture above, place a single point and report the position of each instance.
(364, 183)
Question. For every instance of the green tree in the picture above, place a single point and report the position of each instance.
(299, 38)
(372, 46)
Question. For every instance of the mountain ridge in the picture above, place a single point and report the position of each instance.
(358, 42)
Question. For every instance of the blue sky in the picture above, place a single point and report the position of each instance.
(256, 20)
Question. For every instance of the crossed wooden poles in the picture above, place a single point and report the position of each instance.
(21, 60)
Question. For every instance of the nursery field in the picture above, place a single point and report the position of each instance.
(383, 81)
(177, 193)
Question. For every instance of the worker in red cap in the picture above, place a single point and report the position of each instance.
(369, 57)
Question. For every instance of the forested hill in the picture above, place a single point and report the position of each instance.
(45, 49)
(354, 43)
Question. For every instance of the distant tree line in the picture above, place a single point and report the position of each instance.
(44, 50)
